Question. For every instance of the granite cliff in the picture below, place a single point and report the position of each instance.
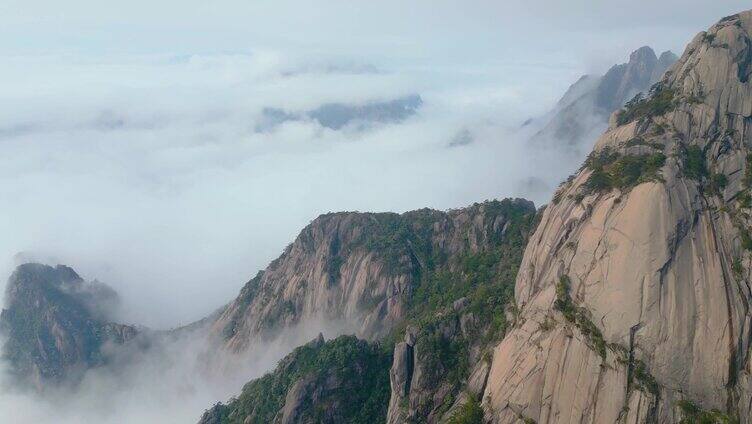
(634, 290)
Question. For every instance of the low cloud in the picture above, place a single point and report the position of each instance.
(148, 172)
(173, 381)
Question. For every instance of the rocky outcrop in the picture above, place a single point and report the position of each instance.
(439, 366)
(344, 380)
(447, 277)
(362, 270)
(635, 289)
(582, 113)
(57, 325)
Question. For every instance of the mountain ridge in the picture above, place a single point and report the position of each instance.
(582, 112)
(635, 286)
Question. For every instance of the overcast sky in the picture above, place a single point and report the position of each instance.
(129, 137)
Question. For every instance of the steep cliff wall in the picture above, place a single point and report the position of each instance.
(364, 270)
(634, 290)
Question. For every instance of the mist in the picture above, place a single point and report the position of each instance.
(141, 155)
(173, 381)
(166, 189)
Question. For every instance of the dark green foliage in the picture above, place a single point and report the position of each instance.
(693, 414)
(446, 358)
(361, 397)
(610, 170)
(579, 316)
(643, 379)
(745, 200)
(485, 278)
(747, 181)
(639, 141)
(737, 268)
(718, 182)
(659, 101)
(693, 160)
(746, 238)
(470, 413)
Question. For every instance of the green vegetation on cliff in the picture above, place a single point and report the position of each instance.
(340, 380)
(660, 100)
(611, 170)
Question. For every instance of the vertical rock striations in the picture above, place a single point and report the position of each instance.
(583, 111)
(363, 270)
(634, 290)
(444, 280)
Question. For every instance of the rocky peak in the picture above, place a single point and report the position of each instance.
(583, 111)
(665, 61)
(635, 287)
(361, 269)
(622, 82)
(56, 324)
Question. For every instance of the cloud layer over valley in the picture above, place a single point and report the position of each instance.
(175, 156)
(157, 175)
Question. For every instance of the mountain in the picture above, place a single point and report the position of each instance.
(336, 116)
(582, 113)
(368, 271)
(440, 280)
(344, 380)
(634, 290)
(446, 277)
(57, 325)
(626, 299)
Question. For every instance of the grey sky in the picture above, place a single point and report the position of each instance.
(430, 31)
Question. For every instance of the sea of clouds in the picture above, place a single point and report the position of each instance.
(162, 175)
(155, 175)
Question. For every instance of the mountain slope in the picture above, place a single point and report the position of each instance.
(57, 325)
(444, 280)
(634, 290)
(362, 271)
(582, 113)
(337, 381)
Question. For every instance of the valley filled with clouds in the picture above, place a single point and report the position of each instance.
(173, 152)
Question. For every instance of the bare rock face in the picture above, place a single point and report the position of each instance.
(634, 291)
(360, 269)
(57, 325)
(438, 367)
(583, 111)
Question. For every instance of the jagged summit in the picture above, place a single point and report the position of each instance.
(361, 269)
(635, 289)
(56, 324)
(582, 113)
